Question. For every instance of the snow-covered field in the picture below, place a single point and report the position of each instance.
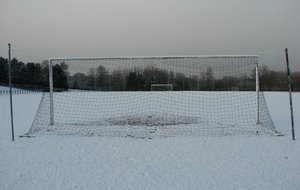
(69, 162)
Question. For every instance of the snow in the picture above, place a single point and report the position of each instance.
(5, 88)
(69, 162)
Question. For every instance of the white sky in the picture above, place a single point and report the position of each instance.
(42, 29)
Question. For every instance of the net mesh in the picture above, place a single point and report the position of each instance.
(211, 96)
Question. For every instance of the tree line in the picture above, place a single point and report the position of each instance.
(141, 79)
(33, 76)
(277, 80)
(36, 76)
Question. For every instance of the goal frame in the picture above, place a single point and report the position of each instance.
(51, 88)
(162, 85)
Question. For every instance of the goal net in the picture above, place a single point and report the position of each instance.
(147, 97)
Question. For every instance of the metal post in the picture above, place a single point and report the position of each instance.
(10, 94)
(257, 94)
(51, 93)
(290, 92)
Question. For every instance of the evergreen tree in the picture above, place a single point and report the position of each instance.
(16, 71)
(102, 78)
(209, 79)
(29, 74)
(3, 70)
(59, 77)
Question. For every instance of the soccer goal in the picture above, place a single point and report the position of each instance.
(161, 87)
(147, 97)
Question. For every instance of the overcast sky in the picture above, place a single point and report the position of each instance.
(42, 29)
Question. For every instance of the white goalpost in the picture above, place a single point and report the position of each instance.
(147, 97)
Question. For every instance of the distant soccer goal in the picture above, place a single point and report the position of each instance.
(148, 97)
(161, 87)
